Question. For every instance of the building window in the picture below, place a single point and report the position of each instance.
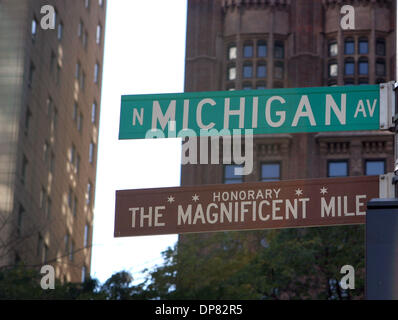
(60, 30)
(96, 72)
(349, 47)
(77, 164)
(91, 152)
(79, 122)
(278, 70)
(101, 3)
(333, 49)
(261, 70)
(260, 86)
(34, 29)
(98, 34)
(89, 193)
(363, 67)
(48, 208)
(70, 198)
(84, 271)
(232, 52)
(349, 67)
(248, 51)
(338, 168)
(87, 4)
(374, 167)
(52, 162)
(380, 68)
(261, 49)
(363, 81)
(278, 50)
(80, 29)
(82, 80)
(66, 243)
(74, 207)
(247, 86)
(24, 169)
(229, 174)
(39, 248)
(42, 200)
(380, 47)
(247, 70)
(84, 39)
(28, 116)
(348, 82)
(94, 112)
(21, 213)
(58, 74)
(31, 74)
(232, 73)
(71, 252)
(86, 235)
(363, 47)
(72, 154)
(270, 171)
(77, 70)
(333, 69)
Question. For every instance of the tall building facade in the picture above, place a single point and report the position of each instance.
(262, 44)
(50, 95)
(242, 44)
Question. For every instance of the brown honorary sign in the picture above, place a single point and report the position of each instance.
(244, 206)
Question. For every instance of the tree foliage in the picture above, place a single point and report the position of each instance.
(299, 263)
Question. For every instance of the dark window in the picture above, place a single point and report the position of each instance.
(338, 168)
(260, 86)
(248, 51)
(363, 67)
(381, 47)
(261, 70)
(89, 193)
(278, 70)
(261, 49)
(374, 167)
(24, 169)
(21, 213)
(363, 81)
(349, 68)
(31, 74)
(230, 176)
(349, 47)
(380, 68)
(349, 82)
(279, 50)
(247, 71)
(363, 47)
(270, 171)
(28, 116)
(247, 86)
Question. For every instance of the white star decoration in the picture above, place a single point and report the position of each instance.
(299, 192)
(170, 199)
(195, 197)
(324, 190)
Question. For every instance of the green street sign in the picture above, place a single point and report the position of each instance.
(269, 111)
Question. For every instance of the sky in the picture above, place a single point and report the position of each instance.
(144, 54)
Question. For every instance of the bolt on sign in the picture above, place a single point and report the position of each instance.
(245, 206)
(344, 108)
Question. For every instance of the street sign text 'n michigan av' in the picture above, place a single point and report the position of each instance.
(344, 108)
(244, 206)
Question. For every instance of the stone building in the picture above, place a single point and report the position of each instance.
(50, 90)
